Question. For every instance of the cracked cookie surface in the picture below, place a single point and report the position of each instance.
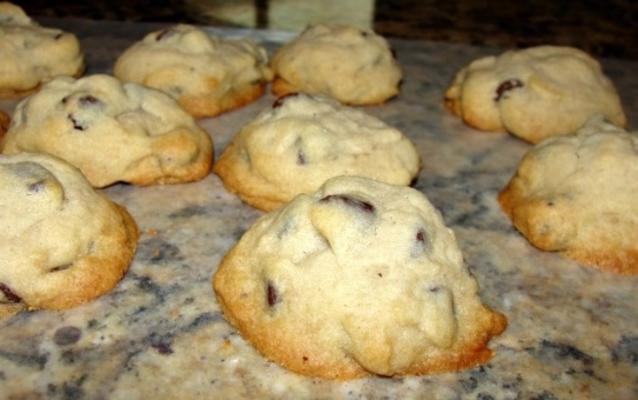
(62, 244)
(358, 278)
(112, 131)
(534, 93)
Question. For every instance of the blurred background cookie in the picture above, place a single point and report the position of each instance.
(302, 141)
(355, 66)
(206, 74)
(112, 132)
(31, 54)
(62, 243)
(358, 278)
(578, 195)
(534, 93)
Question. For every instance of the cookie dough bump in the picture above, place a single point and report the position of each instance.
(301, 141)
(358, 278)
(112, 132)
(206, 74)
(31, 54)
(576, 195)
(534, 93)
(354, 66)
(63, 244)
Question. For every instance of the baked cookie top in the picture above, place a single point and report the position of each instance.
(534, 93)
(578, 195)
(32, 54)
(205, 73)
(352, 65)
(360, 277)
(111, 131)
(62, 243)
(302, 141)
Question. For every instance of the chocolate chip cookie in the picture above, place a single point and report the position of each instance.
(577, 195)
(301, 141)
(32, 54)
(62, 243)
(534, 93)
(354, 66)
(206, 74)
(112, 132)
(358, 278)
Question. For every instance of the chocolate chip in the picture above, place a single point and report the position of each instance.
(58, 36)
(280, 101)
(65, 99)
(88, 101)
(364, 33)
(67, 335)
(76, 125)
(301, 157)
(434, 289)
(304, 358)
(36, 187)
(9, 294)
(420, 236)
(507, 86)
(60, 268)
(349, 201)
(164, 34)
(273, 296)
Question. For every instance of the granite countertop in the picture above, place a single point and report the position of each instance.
(573, 331)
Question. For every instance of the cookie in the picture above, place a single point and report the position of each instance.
(206, 74)
(112, 132)
(62, 243)
(577, 195)
(358, 278)
(32, 54)
(301, 141)
(354, 66)
(534, 93)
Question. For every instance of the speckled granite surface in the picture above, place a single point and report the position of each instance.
(573, 331)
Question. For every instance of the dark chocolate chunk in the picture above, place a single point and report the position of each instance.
(9, 294)
(36, 187)
(272, 295)
(349, 201)
(88, 101)
(76, 124)
(163, 34)
(280, 101)
(58, 268)
(301, 157)
(506, 86)
(67, 335)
